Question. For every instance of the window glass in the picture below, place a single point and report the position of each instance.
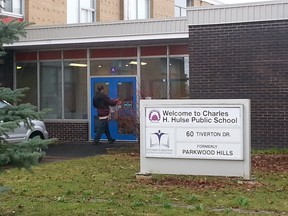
(75, 90)
(87, 11)
(126, 114)
(51, 89)
(113, 67)
(2, 104)
(143, 9)
(14, 6)
(131, 9)
(8, 5)
(154, 78)
(72, 11)
(179, 77)
(180, 8)
(81, 11)
(136, 9)
(26, 76)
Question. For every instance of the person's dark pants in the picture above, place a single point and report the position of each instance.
(101, 126)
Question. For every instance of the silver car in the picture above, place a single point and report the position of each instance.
(23, 133)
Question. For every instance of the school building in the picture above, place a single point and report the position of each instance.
(214, 52)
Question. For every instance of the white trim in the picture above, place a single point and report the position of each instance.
(214, 2)
(13, 15)
(238, 13)
(97, 40)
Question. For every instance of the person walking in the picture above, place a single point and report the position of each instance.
(102, 102)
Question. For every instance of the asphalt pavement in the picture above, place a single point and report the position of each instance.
(79, 149)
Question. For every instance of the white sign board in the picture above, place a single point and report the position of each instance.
(207, 130)
(197, 131)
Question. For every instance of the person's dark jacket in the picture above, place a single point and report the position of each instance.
(102, 102)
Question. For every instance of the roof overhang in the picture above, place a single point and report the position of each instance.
(105, 34)
(96, 42)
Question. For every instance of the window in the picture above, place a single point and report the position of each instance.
(26, 76)
(154, 78)
(113, 67)
(51, 89)
(58, 79)
(81, 11)
(87, 11)
(75, 90)
(181, 7)
(155, 81)
(136, 9)
(59, 85)
(13, 6)
(179, 77)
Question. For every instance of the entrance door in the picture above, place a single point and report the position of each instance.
(123, 121)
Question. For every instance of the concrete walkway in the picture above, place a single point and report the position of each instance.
(70, 150)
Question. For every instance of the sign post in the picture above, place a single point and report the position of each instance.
(195, 137)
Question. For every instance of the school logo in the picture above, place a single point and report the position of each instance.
(159, 139)
(154, 116)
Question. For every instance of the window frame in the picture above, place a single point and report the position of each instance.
(182, 10)
(88, 11)
(12, 13)
(127, 9)
(48, 56)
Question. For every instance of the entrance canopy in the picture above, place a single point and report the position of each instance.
(107, 34)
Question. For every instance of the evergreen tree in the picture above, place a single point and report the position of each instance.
(27, 153)
(11, 32)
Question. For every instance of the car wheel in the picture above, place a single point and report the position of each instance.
(34, 135)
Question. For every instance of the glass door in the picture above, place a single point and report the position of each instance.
(123, 123)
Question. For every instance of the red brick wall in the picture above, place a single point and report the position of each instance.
(68, 131)
(245, 61)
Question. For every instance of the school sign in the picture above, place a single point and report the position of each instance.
(195, 137)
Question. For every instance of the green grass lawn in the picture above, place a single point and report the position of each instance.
(107, 185)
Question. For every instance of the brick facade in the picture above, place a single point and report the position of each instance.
(6, 70)
(245, 61)
(162, 9)
(68, 131)
(112, 10)
(48, 12)
(108, 10)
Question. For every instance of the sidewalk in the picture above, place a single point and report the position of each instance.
(78, 149)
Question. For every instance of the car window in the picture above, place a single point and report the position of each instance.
(2, 104)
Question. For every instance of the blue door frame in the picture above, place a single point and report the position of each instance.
(117, 87)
